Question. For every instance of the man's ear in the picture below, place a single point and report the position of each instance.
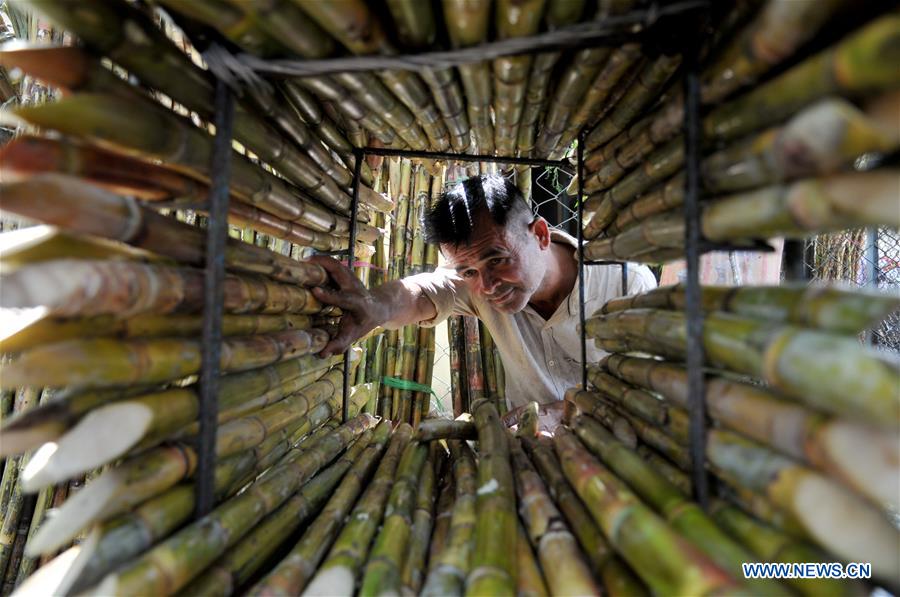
(541, 231)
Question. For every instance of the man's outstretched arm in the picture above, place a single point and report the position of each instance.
(392, 305)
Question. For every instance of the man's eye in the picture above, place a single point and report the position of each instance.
(497, 260)
(469, 273)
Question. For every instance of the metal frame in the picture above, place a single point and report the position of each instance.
(213, 294)
(695, 245)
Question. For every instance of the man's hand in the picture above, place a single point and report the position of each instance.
(362, 311)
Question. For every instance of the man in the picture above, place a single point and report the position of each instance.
(504, 266)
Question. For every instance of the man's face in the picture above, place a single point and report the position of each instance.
(503, 265)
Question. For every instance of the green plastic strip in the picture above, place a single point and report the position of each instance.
(405, 384)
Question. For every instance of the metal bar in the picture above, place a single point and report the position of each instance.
(581, 316)
(464, 157)
(213, 295)
(693, 313)
(358, 155)
(612, 30)
(793, 259)
(624, 278)
(602, 262)
(872, 274)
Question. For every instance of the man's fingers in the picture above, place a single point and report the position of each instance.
(344, 300)
(338, 272)
(341, 341)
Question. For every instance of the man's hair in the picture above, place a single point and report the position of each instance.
(451, 219)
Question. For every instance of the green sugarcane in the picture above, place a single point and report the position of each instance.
(104, 362)
(493, 569)
(240, 562)
(413, 574)
(144, 421)
(68, 288)
(448, 572)
(443, 512)
(339, 572)
(826, 308)
(292, 574)
(808, 497)
(660, 556)
(14, 503)
(795, 359)
(774, 546)
(172, 564)
(385, 565)
(564, 568)
(32, 428)
(529, 579)
(684, 515)
(467, 24)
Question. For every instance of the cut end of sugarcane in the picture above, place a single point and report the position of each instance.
(16, 321)
(54, 577)
(101, 436)
(17, 441)
(78, 512)
(337, 580)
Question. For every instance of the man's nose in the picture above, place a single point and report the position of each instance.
(488, 283)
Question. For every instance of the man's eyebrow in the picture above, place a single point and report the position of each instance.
(486, 255)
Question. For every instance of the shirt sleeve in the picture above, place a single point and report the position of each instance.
(640, 279)
(447, 291)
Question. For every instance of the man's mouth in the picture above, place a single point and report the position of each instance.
(503, 297)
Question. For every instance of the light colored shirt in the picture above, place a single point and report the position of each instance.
(541, 358)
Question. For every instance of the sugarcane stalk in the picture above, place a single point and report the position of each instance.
(69, 287)
(826, 308)
(792, 210)
(660, 556)
(493, 569)
(861, 63)
(598, 552)
(385, 565)
(474, 368)
(603, 409)
(338, 573)
(772, 545)
(443, 512)
(169, 566)
(413, 574)
(124, 174)
(11, 491)
(644, 89)
(529, 579)
(434, 429)
(102, 362)
(33, 329)
(569, 92)
(17, 557)
(294, 571)
(467, 24)
(565, 570)
(674, 421)
(457, 366)
(529, 419)
(666, 468)
(48, 422)
(795, 360)
(145, 420)
(43, 502)
(240, 562)
(599, 97)
(684, 515)
(448, 573)
(513, 19)
(811, 499)
(150, 473)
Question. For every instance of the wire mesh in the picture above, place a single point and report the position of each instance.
(862, 258)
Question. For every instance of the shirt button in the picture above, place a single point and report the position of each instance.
(552, 363)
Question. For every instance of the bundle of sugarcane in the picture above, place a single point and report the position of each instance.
(824, 138)
(793, 210)
(791, 359)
